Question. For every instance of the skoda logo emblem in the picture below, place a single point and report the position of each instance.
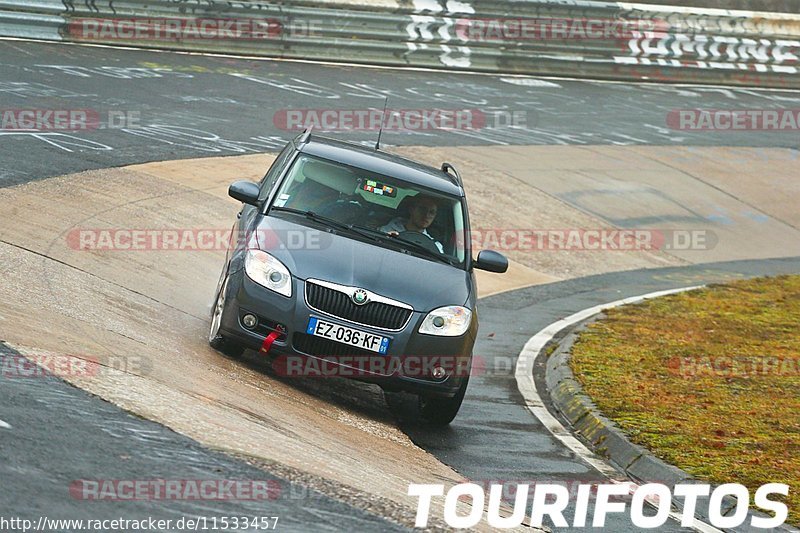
(360, 297)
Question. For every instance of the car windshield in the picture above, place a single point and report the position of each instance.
(422, 220)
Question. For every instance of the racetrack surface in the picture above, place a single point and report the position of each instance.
(191, 106)
(61, 436)
(150, 309)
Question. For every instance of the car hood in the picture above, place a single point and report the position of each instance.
(313, 252)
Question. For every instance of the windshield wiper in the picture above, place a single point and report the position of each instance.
(399, 241)
(420, 248)
(378, 234)
(313, 216)
(329, 221)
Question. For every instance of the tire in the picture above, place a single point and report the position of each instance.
(441, 411)
(215, 339)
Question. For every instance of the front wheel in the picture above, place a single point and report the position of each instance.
(441, 411)
(215, 338)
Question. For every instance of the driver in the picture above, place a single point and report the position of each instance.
(422, 211)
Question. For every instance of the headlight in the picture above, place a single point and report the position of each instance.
(450, 321)
(268, 271)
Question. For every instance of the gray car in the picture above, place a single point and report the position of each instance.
(347, 261)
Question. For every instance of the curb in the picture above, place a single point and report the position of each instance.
(606, 439)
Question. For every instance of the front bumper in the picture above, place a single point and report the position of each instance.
(406, 366)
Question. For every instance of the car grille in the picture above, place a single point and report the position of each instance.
(339, 304)
(312, 345)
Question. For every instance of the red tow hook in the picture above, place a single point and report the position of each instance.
(267, 344)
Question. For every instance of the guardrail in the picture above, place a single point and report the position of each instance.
(558, 38)
(32, 19)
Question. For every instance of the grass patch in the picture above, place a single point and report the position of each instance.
(707, 380)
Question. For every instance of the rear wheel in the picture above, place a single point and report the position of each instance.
(215, 338)
(441, 411)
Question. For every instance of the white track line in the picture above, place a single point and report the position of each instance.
(400, 67)
(527, 387)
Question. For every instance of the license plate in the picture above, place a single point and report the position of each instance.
(345, 335)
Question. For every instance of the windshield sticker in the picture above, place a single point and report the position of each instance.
(376, 187)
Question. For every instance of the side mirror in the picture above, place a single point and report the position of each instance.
(244, 191)
(491, 261)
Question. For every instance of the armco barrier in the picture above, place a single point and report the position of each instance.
(561, 38)
(32, 19)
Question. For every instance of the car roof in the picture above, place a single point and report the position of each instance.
(380, 162)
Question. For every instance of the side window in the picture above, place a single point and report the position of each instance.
(274, 172)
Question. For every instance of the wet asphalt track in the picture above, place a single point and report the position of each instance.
(191, 106)
(59, 433)
(183, 106)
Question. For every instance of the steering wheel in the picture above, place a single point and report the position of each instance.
(420, 238)
(348, 210)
